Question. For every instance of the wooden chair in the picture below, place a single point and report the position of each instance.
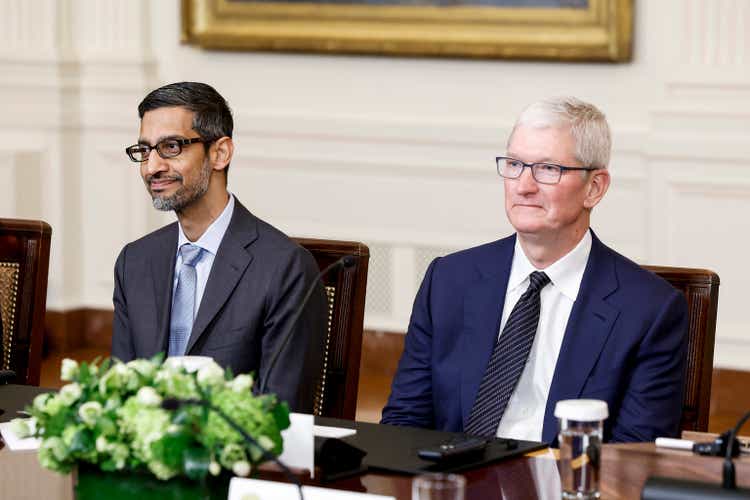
(701, 289)
(336, 393)
(24, 262)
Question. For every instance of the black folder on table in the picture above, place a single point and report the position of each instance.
(394, 448)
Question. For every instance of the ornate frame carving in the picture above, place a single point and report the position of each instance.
(602, 31)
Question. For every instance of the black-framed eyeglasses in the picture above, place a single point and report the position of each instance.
(168, 148)
(544, 173)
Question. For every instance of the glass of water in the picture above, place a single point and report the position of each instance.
(581, 424)
(438, 487)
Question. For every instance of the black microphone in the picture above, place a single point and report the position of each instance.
(6, 376)
(172, 404)
(343, 263)
(659, 488)
(729, 482)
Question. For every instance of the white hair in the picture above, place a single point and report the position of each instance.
(587, 125)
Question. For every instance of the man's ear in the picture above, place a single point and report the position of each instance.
(221, 153)
(597, 187)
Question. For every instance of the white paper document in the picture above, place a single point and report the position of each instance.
(332, 432)
(299, 443)
(255, 489)
(16, 443)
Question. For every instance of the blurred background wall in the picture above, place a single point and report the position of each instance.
(395, 152)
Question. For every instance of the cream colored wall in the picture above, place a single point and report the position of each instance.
(394, 152)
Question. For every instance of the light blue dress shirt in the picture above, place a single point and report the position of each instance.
(209, 242)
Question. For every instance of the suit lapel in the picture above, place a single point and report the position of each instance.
(162, 275)
(483, 309)
(589, 326)
(229, 265)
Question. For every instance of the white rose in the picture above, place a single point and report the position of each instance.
(242, 383)
(102, 444)
(210, 374)
(214, 468)
(68, 370)
(69, 394)
(241, 468)
(56, 447)
(266, 442)
(90, 412)
(114, 379)
(21, 427)
(147, 396)
(143, 366)
(41, 401)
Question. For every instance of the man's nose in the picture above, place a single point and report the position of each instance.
(155, 163)
(526, 181)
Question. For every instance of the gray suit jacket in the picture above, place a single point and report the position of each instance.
(256, 284)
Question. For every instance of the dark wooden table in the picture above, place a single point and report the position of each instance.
(625, 467)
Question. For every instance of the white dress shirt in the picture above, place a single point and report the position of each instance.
(524, 415)
(209, 242)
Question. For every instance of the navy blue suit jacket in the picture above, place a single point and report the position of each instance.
(624, 343)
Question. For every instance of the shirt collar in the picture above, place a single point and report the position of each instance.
(211, 238)
(565, 274)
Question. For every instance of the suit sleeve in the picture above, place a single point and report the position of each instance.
(652, 404)
(122, 345)
(411, 401)
(300, 363)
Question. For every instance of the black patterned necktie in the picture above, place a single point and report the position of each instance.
(507, 361)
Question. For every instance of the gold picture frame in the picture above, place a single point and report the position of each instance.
(601, 30)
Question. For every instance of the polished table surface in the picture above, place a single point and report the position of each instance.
(625, 467)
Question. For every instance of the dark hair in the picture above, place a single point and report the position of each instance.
(212, 117)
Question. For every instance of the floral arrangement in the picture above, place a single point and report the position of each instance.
(110, 415)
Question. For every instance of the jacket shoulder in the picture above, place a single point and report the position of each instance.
(145, 244)
(273, 243)
(639, 281)
(477, 256)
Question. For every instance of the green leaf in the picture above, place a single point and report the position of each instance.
(196, 460)
(281, 415)
(171, 448)
(83, 442)
(56, 424)
(106, 426)
(106, 364)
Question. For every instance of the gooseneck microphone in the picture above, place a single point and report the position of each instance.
(659, 488)
(342, 263)
(729, 481)
(172, 404)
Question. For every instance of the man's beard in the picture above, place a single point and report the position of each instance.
(185, 195)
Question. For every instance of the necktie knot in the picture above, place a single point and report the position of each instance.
(190, 254)
(537, 281)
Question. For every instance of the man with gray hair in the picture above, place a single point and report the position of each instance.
(499, 333)
(219, 281)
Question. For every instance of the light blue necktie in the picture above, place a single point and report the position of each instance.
(183, 304)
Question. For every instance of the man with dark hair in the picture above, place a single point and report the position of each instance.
(219, 282)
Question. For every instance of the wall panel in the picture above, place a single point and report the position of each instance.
(395, 152)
